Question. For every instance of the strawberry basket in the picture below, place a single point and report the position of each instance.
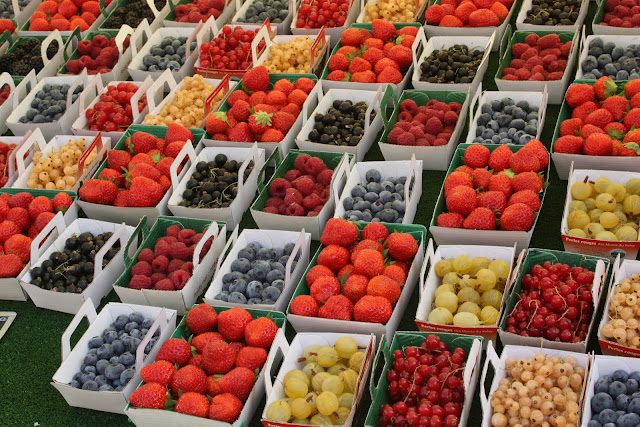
(563, 161)
(132, 215)
(339, 163)
(170, 19)
(311, 324)
(453, 236)
(433, 157)
(179, 300)
(143, 417)
(384, 362)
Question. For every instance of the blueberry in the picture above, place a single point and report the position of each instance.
(95, 342)
(230, 277)
(358, 191)
(75, 384)
(288, 248)
(237, 298)
(260, 271)
(117, 347)
(90, 359)
(622, 402)
(238, 286)
(275, 275)
(271, 293)
(114, 360)
(387, 185)
(87, 376)
(374, 187)
(372, 175)
(173, 65)
(487, 133)
(504, 120)
(126, 375)
(377, 206)
(127, 359)
(252, 301)
(505, 141)
(90, 385)
(388, 215)
(601, 401)
(241, 265)
(278, 284)
(607, 416)
(150, 344)
(101, 380)
(609, 69)
(634, 405)
(105, 351)
(361, 206)
(90, 369)
(347, 203)
(264, 254)
(486, 108)
(622, 75)
(101, 365)
(518, 124)
(483, 119)
(620, 375)
(496, 105)
(366, 216)
(131, 326)
(105, 387)
(398, 205)
(635, 375)
(256, 246)
(222, 296)
(277, 265)
(631, 385)
(602, 385)
(616, 388)
(371, 197)
(277, 253)
(479, 130)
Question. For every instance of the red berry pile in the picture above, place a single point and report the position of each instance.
(169, 266)
(382, 56)
(99, 55)
(430, 124)
(4, 93)
(622, 13)
(322, 13)
(499, 185)
(257, 113)
(475, 13)
(113, 112)
(198, 10)
(373, 277)
(5, 152)
(22, 218)
(538, 59)
(302, 191)
(426, 387)
(605, 120)
(214, 379)
(230, 50)
(555, 303)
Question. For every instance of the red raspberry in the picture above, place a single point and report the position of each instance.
(300, 162)
(311, 202)
(186, 235)
(294, 209)
(141, 268)
(315, 165)
(292, 175)
(278, 187)
(164, 285)
(140, 282)
(160, 264)
(174, 229)
(179, 278)
(188, 267)
(174, 265)
(324, 177)
(274, 202)
(156, 277)
(292, 196)
(304, 185)
(162, 249)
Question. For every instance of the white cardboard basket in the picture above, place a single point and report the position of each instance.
(157, 21)
(618, 40)
(53, 64)
(228, 11)
(527, 6)
(241, 12)
(336, 32)
(7, 107)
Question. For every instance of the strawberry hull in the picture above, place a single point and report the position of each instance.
(142, 417)
(315, 324)
(72, 360)
(179, 300)
(379, 385)
(599, 266)
(461, 236)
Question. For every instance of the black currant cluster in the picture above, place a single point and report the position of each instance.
(547, 12)
(26, 57)
(343, 124)
(214, 184)
(457, 64)
(132, 13)
(72, 269)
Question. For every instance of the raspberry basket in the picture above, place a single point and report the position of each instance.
(384, 360)
(340, 163)
(107, 12)
(527, 6)
(458, 236)
(129, 215)
(599, 29)
(314, 324)
(170, 18)
(153, 417)
(51, 65)
(555, 88)
(202, 271)
(433, 157)
(538, 256)
(72, 359)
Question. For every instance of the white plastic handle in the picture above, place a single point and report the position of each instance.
(160, 322)
(97, 143)
(428, 260)
(95, 83)
(6, 79)
(494, 360)
(212, 231)
(81, 79)
(35, 138)
(71, 42)
(231, 241)
(281, 344)
(315, 94)
(119, 234)
(21, 90)
(153, 8)
(287, 270)
(142, 89)
(56, 222)
(514, 272)
(542, 111)
(86, 310)
(55, 35)
(158, 85)
(186, 152)
(137, 41)
(411, 178)
(252, 155)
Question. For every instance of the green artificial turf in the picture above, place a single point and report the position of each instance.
(30, 351)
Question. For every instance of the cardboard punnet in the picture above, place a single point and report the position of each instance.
(517, 352)
(232, 215)
(51, 65)
(325, 101)
(190, 56)
(24, 31)
(599, 266)
(455, 236)
(79, 127)
(292, 354)
(314, 324)
(100, 144)
(289, 139)
(7, 106)
(169, 19)
(280, 27)
(599, 29)
(601, 248)
(556, 88)
(62, 126)
(202, 269)
(268, 239)
(416, 48)
(156, 23)
(537, 99)
(153, 417)
(618, 40)
(379, 385)
(445, 42)
(23, 14)
(527, 5)
(411, 169)
(12, 163)
(427, 285)
(432, 157)
(564, 161)
(340, 163)
(103, 277)
(334, 33)
(132, 215)
(72, 360)
(420, 8)
(622, 269)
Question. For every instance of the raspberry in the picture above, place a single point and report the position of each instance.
(292, 175)
(161, 249)
(140, 282)
(292, 196)
(174, 265)
(279, 187)
(156, 277)
(294, 209)
(160, 264)
(141, 268)
(173, 230)
(315, 165)
(179, 278)
(274, 202)
(311, 201)
(304, 185)
(179, 251)
(271, 209)
(188, 267)
(186, 235)
(324, 177)
(164, 285)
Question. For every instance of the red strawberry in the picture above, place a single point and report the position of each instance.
(199, 342)
(195, 404)
(334, 257)
(480, 219)
(177, 132)
(252, 358)
(522, 161)
(598, 144)
(260, 122)
(323, 288)
(38, 205)
(401, 246)
(569, 144)
(98, 191)
(160, 372)
(241, 110)
(383, 30)
(118, 159)
(20, 245)
(372, 309)
(599, 118)
(256, 79)
(517, 217)
(338, 231)
(501, 183)
(477, 156)
(225, 407)
(260, 332)
(232, 323)
(217, 122)
(219, 357)
(283, 121)
(241, 133)
(304, 305)
(617, 106)
(238, 382)
(578, 94)
(456, 179)
(462, 200)
(144, 192)
(150, 396)
(528, 197)
(571, 127)
(202, 318)
(20, 200)
(450, 220)
(373, 231)
(175, 350)
(141, 142)
(173, 149)
(494, 200)
(499, 158)
(62, 202)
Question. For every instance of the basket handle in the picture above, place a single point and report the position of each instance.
(55, 35)
(56, 222)
(95, 83)
(137, 37)
(251, 155)
(158, 85)
(428, 260)
(384, 103)
(212, 231)
(119, 234)
(186, 152)
(231, 241)
(294, 252)
(223, 87)
(142, 89)
(139, 234)
(341, 171)
(382, 356)
(36, 138)
(73, 39)
(279, 345)
(275, 156)
(494, 361)
(315, 94)
(86, 310)
(97, 142)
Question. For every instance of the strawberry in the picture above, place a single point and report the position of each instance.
(402, 55)
(389, 75)
(164, 166)
(283, 121)
(494, 200)
(38, 205)
(569, 144)
(256, 79)
(522, 161)
(160, 372)
(175, 351)
(462, 200)
(632, 119)
(517, 217)
(632, 88)
(372, 309)
(241, 110)
(571, 127)
(369, 262)
(584, 110)
(20, 200)
(260, 122)
(20, 245)
(173, 149)
(219, 357)
(62, 202)
(304, 305)
(199, 342)
(232, 323)
(536, 147)
(617, 106)
(578, 94)
(383, 30)
(225, 407)
(141, 142)
(434, 14)
(202, 318)
(499, 158)
(483, 18)
(527, 181)
(630, 149)
(195, 404)
(501, 183)
(604, 87)
(40, 222)
(340, 232)
(98, 191)
(238, 382)
(236, 95)
(112, 175)
(217, 122)
(373, 231)
(177, 132)
(150, 396)
(599, 118)
(334, 257)
(598, 144)
(386, 287)
(189, 379)
(528, 197)
(477, 156)
(333, 309)
(352, 37)
(450, 220)
(252, 358)
(401, 246)
(240, 133)
(260, 332)
(456, 179)
(141, 158)
(323, 288)
(355, 287)
(480, 219)
(144, 192)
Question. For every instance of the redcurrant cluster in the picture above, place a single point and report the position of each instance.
(113, 112)
(5, 151)
(319, 13)
(556, 303)
(230, 50)
(425, 386)
(4, 93)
